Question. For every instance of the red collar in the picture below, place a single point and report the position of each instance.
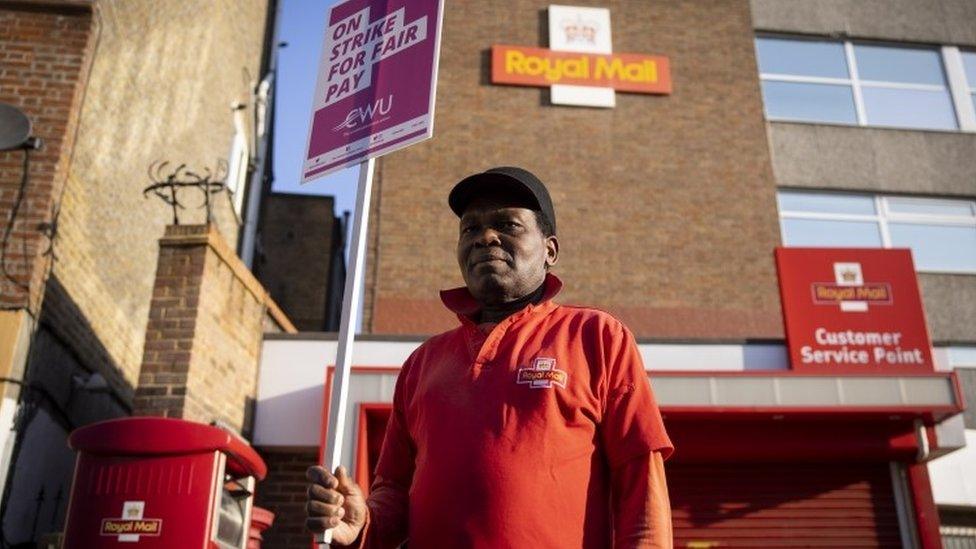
(460, 300)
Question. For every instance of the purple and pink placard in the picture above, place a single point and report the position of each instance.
(376, 82)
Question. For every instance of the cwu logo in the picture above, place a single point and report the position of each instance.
(361, 115)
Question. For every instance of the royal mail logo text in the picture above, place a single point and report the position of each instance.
(831, 294)
(131, 525)
(542, 375)
(850, 291)
(146, 527)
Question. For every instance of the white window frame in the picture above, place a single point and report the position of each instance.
(971, 104)
(883, 216)
(962, 91)
(237, 170)
(970, 85)
(952, 65)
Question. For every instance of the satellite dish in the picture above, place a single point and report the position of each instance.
(15, 128)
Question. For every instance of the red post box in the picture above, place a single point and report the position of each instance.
(158, 482)
(261, 520)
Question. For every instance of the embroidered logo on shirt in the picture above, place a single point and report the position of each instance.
(542, 375)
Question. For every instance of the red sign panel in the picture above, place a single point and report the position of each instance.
(852, 310)
(625, 72)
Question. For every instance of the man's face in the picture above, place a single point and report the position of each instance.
(502, 251)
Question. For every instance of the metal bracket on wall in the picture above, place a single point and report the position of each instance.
(165, 185)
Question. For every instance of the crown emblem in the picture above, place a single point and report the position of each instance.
(848, 276)
(580, 30)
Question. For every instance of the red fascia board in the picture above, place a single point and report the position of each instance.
(752, 439)
(923, 506)
(361, 457)
(326, 406)
(957, 390)
(876, 413)
(786, 373)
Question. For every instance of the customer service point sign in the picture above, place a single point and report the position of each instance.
(852, 310)
(374, 94)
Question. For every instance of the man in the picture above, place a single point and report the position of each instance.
(531, 425)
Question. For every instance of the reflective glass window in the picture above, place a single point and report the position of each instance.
(937, 247)
(831, 233)
(923, 206)
(903, 108)
(810, 102)
(969, 65)
(960, 355)
(801, 57)
(899, 64)
(941, 232)
(885, 85)
(793, 201)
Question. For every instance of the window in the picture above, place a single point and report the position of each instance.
(237, 172)
(962, 356)
(969, 66)
(940, 232)
(806, 80)
(857, 83)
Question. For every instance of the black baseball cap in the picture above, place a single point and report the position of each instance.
(518, 181)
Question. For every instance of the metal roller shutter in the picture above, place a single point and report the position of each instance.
(783, 505)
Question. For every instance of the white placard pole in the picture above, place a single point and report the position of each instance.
(338, 400)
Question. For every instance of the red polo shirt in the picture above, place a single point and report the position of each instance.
(512, 438)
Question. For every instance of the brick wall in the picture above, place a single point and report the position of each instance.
(283, 493)
(298, 234)
(43, 62)
(204, 334)
(666, 204)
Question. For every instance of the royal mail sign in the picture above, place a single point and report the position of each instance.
(853, 310)
(542, 375)
(580, 67)
(131, 524)
(541, 67)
